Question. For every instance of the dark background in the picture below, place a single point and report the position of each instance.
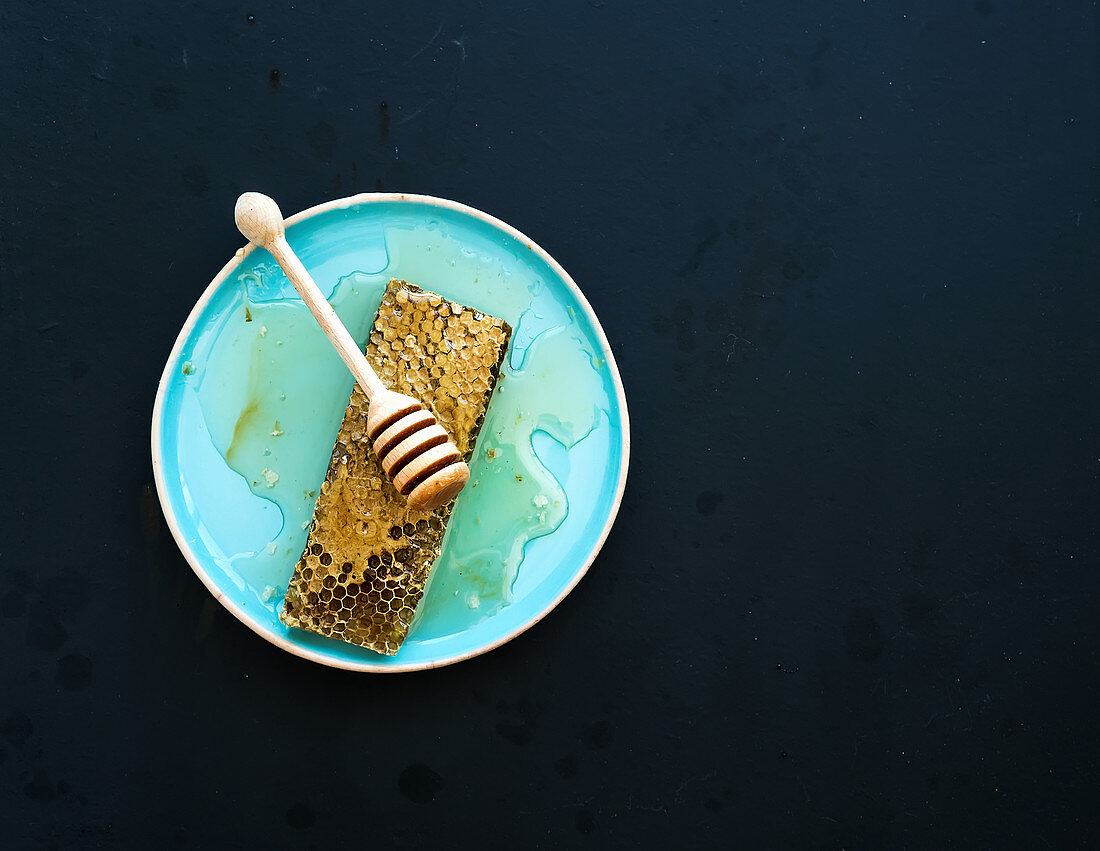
(847, 257)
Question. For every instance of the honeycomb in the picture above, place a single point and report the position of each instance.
(368, 556)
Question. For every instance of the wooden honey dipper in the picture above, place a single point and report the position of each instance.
(415, 451)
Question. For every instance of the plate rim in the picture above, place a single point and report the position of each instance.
(169, 371)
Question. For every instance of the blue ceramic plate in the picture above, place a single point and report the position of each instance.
(244, 547)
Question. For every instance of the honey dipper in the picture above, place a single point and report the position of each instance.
(415, 451)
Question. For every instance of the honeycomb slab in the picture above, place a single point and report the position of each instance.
(368, 556)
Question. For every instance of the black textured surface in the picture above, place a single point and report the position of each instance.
(853, 247)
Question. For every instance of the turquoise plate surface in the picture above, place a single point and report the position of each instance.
(215, 517)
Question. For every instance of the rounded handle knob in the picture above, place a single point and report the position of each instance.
(259, 218)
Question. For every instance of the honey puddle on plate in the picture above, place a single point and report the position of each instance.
(272, 393)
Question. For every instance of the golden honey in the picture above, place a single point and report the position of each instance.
(367, 559)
